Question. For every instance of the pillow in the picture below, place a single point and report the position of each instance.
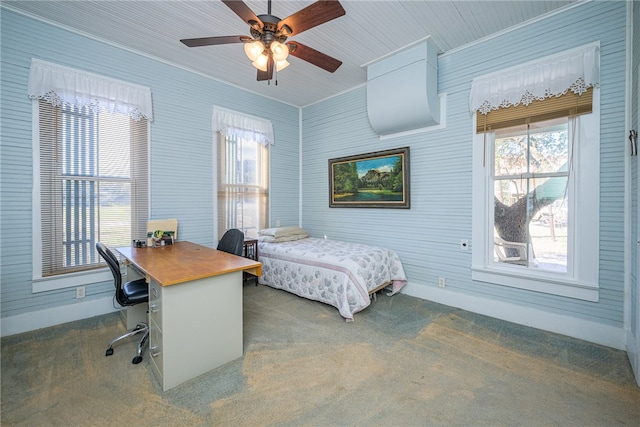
(277, 232)
(271, 239)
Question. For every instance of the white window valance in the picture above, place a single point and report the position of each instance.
(60, 85)
(575, 70)
(246, 126)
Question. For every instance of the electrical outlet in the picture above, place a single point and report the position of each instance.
(464, 245)
(442, 282)
(277, 223)
(80, 292)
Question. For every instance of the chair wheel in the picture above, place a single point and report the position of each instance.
(109, 352)
(136, 360)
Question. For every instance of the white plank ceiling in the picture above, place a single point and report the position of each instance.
(370, 30)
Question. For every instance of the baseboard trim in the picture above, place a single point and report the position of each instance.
(586, 330)
(578, 328)
(33, 320)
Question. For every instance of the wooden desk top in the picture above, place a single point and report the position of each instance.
(186, 261)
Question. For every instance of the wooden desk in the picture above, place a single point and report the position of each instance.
(195, 307)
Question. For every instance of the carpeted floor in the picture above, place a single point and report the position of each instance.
(403, 362)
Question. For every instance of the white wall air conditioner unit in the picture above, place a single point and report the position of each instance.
(402, 90)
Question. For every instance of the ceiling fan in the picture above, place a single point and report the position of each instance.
(266, 47)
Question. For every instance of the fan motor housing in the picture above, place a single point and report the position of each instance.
(269, 31)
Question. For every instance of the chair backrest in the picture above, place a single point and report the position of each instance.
(232, 242)
(114, 266)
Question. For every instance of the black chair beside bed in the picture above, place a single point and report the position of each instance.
(232, 242)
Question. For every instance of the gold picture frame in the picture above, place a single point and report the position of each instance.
(373, 180)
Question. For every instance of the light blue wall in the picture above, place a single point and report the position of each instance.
(181, 147)
(427, 236)
(634, 339)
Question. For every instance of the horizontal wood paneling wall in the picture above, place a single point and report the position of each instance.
(181, 146)
(427, 236)
(635, 184)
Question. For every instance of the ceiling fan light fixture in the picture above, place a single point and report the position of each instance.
(281, 65)
(261, 62)
(253, 49)
(286, 30)
(280, 51)
(266, 47)
(254, 24)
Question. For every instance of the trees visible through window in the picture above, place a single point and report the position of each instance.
(93, 184)
(532, 167)
(536, 175)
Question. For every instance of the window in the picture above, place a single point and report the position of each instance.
(93, 184)
(243, 171)
(536, 180)
(242, 184)
(90, 171)
(531, 195)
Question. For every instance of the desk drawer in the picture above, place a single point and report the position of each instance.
(155, 303)
(157, 372)
(156, 347)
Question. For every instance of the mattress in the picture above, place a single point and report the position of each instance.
(335, 272)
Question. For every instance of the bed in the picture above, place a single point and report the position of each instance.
(338, 273)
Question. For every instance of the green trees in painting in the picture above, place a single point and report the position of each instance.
(346, 180)
(396, 175)
(377, 179)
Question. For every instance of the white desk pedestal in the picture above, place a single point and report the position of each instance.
(133, 315)
(196, 326)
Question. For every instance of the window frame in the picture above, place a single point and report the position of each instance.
(570, 186)
(72, 279)
(585, 179)
(263, 170)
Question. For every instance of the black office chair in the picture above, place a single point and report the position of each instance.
(232, 242)
(127, 294)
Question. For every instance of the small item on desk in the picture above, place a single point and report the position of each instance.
(168, 237)
(161, 238)
(139, 243)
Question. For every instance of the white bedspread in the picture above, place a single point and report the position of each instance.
(334, 272)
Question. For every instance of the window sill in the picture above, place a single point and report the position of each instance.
(539, 283)
(71, 280)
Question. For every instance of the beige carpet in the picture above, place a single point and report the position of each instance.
(403, 362)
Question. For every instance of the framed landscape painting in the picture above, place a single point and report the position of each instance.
(373, 180)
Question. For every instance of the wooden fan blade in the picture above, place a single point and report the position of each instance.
(314, 57)
(208, 41)
(266, 75)
(311, 16)
(243, 11)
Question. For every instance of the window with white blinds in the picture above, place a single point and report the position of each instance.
(93, 184)
(243, 182)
